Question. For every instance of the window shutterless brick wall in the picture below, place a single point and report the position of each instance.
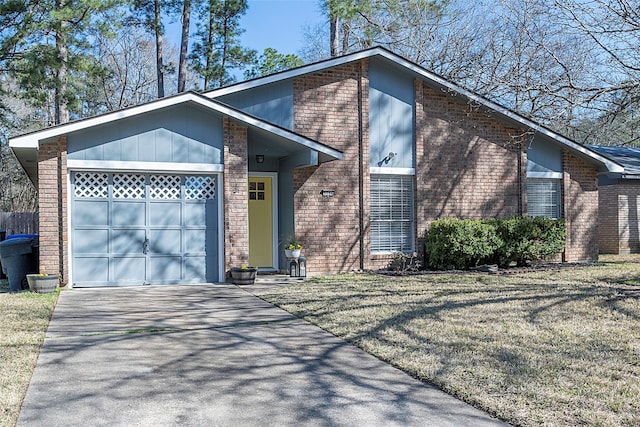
(52, 202)
(580, 182)
(329, 107)
(236, 212)
(468, 164)
(619, 218)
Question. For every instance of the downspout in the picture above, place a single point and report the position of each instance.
(361, 169)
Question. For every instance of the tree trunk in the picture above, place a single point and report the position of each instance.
(61, 104)
(159, 66)
(209, 48)
(334, 28)
(346, 30)
(184, 44)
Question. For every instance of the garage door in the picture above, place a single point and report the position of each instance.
(135, 229)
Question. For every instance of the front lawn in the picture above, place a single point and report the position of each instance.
(24, 318)
(553, 347)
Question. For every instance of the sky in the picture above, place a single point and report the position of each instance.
(279, 24)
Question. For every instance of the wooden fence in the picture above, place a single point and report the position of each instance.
(19, 222)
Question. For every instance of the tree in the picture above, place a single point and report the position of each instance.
(271, 62)
(184, 45)
(148, 14)
(45, 46)
(128, 77)
(217, 52)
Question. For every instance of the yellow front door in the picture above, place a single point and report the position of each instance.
(260, 222)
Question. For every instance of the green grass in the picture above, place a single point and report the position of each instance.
(556, 347)
(24, 318)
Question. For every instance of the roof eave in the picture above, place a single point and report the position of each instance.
(32, 140)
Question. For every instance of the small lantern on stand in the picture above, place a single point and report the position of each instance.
(293, 268)
(302, 266)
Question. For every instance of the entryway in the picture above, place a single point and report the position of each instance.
(262, 221)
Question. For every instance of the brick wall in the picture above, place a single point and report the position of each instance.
(580, 190)
(236, 201)
(619, 218)
(327, 108)
(468, 165)
(52, 193)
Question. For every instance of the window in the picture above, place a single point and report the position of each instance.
(392, 213)
(544, 197)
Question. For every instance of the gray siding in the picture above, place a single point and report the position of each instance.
(391, 115)
(179, 134)
(272, 102)
(544, 156)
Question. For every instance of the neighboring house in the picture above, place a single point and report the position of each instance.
(619, 209)
(354, 155)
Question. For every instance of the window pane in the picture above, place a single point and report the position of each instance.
(544, 197)
(391, 213)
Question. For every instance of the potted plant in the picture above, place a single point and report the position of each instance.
(292, 249)
(43, 283)
(243, 275)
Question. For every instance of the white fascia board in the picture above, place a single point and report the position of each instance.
(377, 51)
(610, 165)
(295, 72)
(276, 130)
(32, 140)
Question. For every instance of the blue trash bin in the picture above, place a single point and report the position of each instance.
(3, 235)
(18, 260)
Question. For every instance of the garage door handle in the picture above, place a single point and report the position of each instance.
(145, 246)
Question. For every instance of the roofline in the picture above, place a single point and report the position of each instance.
(33, 139)
(294, 72)
(610, 165)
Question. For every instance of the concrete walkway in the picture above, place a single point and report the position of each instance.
(205, 355)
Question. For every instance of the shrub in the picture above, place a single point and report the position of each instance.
(465, 243)
(529, 239)
(460, 243)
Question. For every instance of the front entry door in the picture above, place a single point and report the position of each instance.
(261, 221)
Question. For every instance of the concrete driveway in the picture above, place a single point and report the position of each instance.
(214, 355)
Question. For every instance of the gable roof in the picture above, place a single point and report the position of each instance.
(26, 146)
(628, 157)
(437, 82)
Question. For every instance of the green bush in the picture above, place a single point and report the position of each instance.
(464, 243)
(460, 243)
(529, 239)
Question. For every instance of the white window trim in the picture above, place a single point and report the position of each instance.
(162, 167)
(560, 207)
(413, 220)
(392, 171)
(544, 175)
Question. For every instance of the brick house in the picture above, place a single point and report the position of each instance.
(355, 156)
(618, 209)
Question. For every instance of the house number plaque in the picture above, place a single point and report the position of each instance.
(328, 193)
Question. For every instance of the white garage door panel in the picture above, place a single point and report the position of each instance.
(133, 229)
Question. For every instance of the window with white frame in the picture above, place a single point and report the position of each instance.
(544, 197)
(392, 222)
